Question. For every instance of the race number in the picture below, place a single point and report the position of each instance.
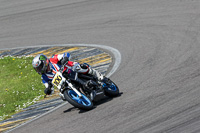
(57, 80)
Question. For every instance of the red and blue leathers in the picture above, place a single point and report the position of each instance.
(54, 66)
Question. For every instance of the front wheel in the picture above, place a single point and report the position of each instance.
(78, 102)
(110, 88)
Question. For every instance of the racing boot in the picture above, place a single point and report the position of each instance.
(96, 74)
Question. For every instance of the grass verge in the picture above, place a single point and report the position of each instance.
(20, 85)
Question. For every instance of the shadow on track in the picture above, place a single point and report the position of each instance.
(96, 103)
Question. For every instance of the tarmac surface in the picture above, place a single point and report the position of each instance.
(160, 68)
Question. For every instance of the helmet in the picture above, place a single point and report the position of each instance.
(40, 63)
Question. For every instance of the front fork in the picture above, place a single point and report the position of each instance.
(74, 89)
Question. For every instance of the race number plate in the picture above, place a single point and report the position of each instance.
(57, 80)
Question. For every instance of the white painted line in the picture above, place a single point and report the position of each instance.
(117, 62)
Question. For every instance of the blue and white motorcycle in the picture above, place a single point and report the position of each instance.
(78, 94)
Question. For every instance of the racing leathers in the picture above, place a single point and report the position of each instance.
(56, 61)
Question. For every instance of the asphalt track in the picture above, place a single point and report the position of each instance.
(160, 69)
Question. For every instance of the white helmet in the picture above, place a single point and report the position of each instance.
(40, 63)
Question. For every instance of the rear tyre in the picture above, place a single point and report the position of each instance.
(81, 103)
(110, 88)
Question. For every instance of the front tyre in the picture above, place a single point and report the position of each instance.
(81, 103)
(110, 88)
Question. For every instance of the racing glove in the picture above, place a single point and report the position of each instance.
(65, 58)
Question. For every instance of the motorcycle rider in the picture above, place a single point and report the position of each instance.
(48, 68)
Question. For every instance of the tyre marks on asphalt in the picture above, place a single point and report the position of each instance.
(98, 59)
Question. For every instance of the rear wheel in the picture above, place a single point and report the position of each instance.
(110, 88)
(79, 102)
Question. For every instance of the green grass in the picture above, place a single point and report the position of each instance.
(20, 85)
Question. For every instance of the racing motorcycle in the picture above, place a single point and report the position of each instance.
(76, 93)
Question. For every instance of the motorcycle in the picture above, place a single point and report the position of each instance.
(77, 94)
